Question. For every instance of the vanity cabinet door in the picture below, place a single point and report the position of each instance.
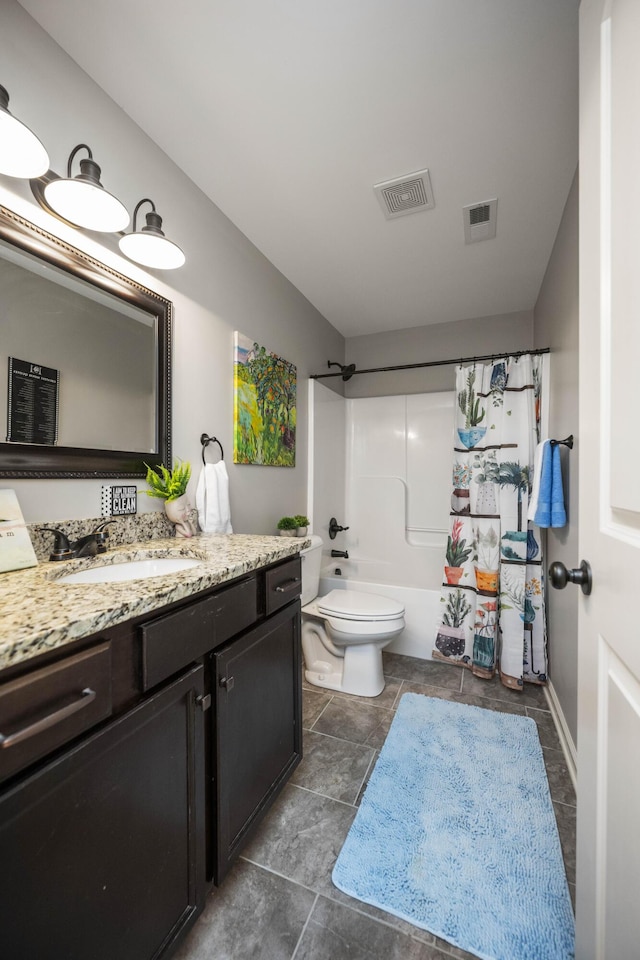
(102, 849)
(258, 731)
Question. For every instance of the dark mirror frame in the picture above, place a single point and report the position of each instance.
(33, 461)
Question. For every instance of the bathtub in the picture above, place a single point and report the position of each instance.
(422, 606)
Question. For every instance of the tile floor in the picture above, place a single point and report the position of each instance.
(278, 903)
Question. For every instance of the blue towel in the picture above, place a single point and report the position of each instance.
(551, 511)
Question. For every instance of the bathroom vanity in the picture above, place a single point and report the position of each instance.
(138, 756)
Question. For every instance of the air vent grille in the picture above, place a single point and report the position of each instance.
(408, 194)
(479, 214)
(480, 221)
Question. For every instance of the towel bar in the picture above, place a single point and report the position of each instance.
(564, 443)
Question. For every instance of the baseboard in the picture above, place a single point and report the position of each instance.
(566, 740)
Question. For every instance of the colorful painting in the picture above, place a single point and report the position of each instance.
(264, 406)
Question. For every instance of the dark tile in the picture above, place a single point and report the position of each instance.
(334, 768)
(356, 721)
(501, 706)
(313, 703)
(566, 820)
(572, 891)
(451, 951)
(422, 671)
(560, 784)
(366, 779)
(546, 728)
(255, 915)
(386, 699)
(335, 932)
(301, 837)
(531, 695)
(442, 694)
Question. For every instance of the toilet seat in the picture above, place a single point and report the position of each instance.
(353, 605)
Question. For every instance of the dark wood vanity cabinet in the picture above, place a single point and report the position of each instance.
(257, 740)
(102, 849)
(140, 765)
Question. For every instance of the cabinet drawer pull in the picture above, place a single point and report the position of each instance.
(288, 585)
(204, 702)
(87, 697)
(227, 682)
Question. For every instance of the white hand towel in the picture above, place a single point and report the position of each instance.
(537, 472)
(212, 499)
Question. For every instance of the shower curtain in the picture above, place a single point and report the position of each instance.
(492, 599)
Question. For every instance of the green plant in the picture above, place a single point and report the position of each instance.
(512, 474)
(457, 609)
(287, 523)
(168, 484)
(470, 404)
(457, 550)
(301, 520)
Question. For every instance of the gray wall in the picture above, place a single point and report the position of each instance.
(225, 285)
(556, 325)
(438, 341)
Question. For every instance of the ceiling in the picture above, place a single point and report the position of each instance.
(286, 113)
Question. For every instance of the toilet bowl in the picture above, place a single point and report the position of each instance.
(344, 632)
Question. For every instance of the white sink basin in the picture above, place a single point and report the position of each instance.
(130, 570)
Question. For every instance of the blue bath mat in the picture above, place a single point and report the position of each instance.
(456, 833)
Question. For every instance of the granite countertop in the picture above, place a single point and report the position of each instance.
(39, 614)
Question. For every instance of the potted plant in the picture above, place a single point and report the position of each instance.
(457, 554)
(450, 636)
(302, 524)
(469, 404)
(171, 486)
(488, 560)
(287, 526)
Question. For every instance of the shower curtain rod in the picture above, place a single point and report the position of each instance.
(435, 363)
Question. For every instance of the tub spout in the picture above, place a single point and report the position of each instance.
(340, 553)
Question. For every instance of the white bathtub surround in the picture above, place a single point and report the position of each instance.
(396, 472)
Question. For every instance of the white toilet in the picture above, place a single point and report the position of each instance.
(344, 632)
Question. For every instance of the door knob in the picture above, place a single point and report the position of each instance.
(581, 575)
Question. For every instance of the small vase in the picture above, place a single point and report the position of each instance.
(302, 531)
(287, 533)
(177, 512)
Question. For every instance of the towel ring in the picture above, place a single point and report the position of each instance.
(205, 441)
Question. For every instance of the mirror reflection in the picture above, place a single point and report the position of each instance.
(100, 339)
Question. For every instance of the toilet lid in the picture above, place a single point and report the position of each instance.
(351, 605)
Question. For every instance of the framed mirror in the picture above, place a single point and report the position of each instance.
(85, 362)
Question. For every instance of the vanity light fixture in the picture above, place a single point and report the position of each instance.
(149, 246)
(21, 153)
(83, 201)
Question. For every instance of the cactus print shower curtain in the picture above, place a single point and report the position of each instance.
(492, 602)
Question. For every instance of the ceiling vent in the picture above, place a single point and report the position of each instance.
(405, 195)
(480, 221)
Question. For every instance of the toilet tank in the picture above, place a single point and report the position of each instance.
(311, 562)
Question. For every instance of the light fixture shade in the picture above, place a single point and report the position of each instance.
(21, 153)
(83, 201)
(149, 246)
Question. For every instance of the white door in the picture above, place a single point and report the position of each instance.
(608, 866)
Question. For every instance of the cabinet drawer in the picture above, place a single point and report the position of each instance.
(283, 584)
(46, 708)
(177, 639)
